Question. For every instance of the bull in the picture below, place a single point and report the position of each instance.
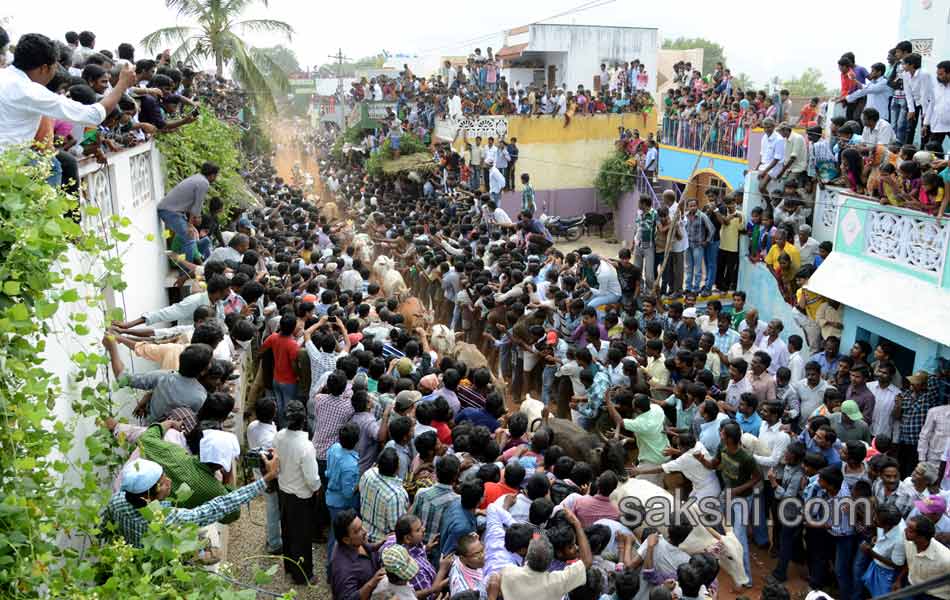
(725, 546)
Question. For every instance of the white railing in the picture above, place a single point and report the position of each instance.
(916, 242)
(485, 127)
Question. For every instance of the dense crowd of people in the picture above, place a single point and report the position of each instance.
(458, 406)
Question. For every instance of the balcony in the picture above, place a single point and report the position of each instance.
(689, 149)
(888, 262)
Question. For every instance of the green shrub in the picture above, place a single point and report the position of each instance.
(50, 504)
(207, 139)
(615, 178)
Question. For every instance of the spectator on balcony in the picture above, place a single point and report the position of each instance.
(85, 49)
(918, 88)
(808, 117)
(780, 245)
(849, 85)
(182, 207)
(876, 91)
(795, 158)
(937, 121)
(24, 98)
(876, 131)
(771, 157)
(152, 111)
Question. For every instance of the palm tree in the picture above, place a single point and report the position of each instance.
(217, 35)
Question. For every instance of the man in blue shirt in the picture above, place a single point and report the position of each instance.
(747, 416)
(828, 359)
(343, 476)
(534, 230)
(459, 518)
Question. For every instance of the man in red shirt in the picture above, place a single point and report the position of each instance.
(510, 484)
(284, 348)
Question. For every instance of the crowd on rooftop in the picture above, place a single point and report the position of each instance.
(448, 398)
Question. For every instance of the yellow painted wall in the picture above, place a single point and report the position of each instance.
(559, 157)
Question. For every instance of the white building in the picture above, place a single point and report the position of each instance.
(571, 55)
(926, 23)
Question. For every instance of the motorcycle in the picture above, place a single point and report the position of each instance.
(568, 228)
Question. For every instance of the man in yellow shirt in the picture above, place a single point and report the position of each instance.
(780, 245)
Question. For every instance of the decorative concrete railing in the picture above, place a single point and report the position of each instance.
(488, 126)
(904, 240)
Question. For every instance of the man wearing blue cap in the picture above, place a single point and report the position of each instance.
(144, 481)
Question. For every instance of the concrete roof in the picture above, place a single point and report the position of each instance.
(910, 303)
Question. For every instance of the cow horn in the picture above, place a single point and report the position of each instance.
(714, 533)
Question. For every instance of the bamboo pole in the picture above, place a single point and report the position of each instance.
(674, 220)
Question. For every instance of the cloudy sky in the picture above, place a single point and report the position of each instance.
(759, 42)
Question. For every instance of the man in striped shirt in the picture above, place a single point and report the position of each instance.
(383, 499)
(431, 502)
(144, 481)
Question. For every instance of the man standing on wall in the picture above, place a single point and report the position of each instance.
(512, 159)
(183, 205)
(476, 156)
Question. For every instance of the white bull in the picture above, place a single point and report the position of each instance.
(442, 340)
(363, 248)
(725, 547)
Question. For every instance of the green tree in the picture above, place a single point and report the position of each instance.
(348, 69)
(217, 36)
(809, 83)
(743, 82)
(281, 56)
(712, 52)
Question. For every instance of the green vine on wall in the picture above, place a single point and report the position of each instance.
(50, 502)
(615, 178)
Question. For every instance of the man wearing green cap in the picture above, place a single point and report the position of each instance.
(849, 424)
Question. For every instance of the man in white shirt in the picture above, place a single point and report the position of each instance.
(876, 130)
(937, 121)
(753, 323)
(775, 346)
(705, 483)
(807, 245)
(771, 434)
(496, 181)
(608, 284)
(806, 395)
(918, 89)
(24, 99)
(772, 155)
(796, 362)
(298, 481)
(885, 394)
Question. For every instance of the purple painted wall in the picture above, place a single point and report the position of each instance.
(578, 201)
(625, 218)
(558, 203)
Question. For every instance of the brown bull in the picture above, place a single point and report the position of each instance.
(413, 313)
